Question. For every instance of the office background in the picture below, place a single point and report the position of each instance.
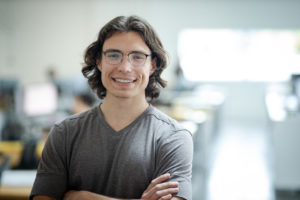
(38, 36)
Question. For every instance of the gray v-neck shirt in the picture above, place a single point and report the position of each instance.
(84, 153)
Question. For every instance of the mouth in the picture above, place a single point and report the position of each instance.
(123, 80)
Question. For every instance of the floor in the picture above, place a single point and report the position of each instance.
(240, 166)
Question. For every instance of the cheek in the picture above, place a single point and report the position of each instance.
(146, 77)
(105, 71)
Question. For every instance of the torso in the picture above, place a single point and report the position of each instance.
(120, 163)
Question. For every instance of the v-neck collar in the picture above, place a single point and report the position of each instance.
(125, 129)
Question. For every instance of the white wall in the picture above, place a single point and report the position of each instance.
(37, 34)
(42, 33)
(4, 33)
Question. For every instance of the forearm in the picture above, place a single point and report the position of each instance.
(88, 195)
(77, 195)
(157, 189)
(85, 195)
(39, 197)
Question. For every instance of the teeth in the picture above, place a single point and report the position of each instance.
(123, 81)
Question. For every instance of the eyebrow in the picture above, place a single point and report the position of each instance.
(117, 50)
(112, 50)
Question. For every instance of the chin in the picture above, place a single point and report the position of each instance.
(123, 95)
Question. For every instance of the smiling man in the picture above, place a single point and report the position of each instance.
(124, 148)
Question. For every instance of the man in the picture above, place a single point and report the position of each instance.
(124, 148)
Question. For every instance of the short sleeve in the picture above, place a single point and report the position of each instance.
(175, 156)
(51, 177)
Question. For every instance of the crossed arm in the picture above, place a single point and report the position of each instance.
(157, 190)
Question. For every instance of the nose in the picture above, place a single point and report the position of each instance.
(125, 65)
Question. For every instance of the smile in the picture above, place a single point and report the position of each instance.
(123, 80)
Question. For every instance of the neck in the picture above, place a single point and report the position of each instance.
(119, 113)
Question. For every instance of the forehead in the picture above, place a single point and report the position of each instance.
(126, 42)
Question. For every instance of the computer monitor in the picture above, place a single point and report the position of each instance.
(40, 99)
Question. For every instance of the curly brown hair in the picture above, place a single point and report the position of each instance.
(125, 24)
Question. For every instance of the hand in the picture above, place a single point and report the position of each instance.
(160, 191)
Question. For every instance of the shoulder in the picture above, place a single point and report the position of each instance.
(165, 122)
(72, 126)
(77, 119)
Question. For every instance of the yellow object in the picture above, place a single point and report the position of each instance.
(39, 149)
(14, 150)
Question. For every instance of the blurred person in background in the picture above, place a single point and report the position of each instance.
(82, 102)
(123, 148)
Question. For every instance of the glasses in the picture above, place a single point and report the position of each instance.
(135, 58)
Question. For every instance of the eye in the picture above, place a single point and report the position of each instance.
(138, 56)
(113, 55)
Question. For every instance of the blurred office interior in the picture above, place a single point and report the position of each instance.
(233, 81)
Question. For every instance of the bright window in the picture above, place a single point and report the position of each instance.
(239, 55)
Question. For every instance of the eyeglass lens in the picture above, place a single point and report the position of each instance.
(135, 58)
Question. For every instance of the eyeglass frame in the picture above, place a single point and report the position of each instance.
(123, 54)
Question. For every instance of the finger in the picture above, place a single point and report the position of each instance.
(161, 189)
(166, 185)
(158, 180)
(166, 197)
(164, 193)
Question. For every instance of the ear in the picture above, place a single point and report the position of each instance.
(99, 66)
(153, 66)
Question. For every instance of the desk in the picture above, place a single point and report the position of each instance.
(14, 192)
(16, 184)
(284, 125)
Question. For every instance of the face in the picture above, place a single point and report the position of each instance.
(125, 80)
